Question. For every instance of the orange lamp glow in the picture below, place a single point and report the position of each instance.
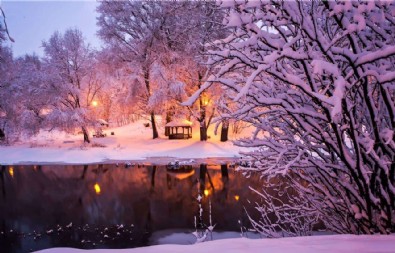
(11, 171)
(237, 197)
(206, 193)
(97, 188)
(94, 103)
(205, 100)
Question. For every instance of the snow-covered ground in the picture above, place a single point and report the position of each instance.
(311, 244)
(130, 142)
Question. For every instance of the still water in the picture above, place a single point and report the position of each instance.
(109, 206)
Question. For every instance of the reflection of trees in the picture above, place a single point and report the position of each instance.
(225, 183)
(2, 172)
(153, 177)
(41, 199)
(84, 172)
(202, 177)
(9, 241)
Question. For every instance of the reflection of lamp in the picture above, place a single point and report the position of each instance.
(97, 188)
(206, 192)
(237, 197)
(11, 171)
(94, 103)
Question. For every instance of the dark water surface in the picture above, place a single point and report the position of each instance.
(106, 206)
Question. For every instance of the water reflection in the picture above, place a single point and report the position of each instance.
(11, 171)
(109, 206)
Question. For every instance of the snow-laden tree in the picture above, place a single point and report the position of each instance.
(208, 27)
(22, 97)
(6, 108)
(133, 29)
(68, 65)
(22, 91)
(5, 73)
(111, 77)
(317, 80)
(28, 95)
(160, 41)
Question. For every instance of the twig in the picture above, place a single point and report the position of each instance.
(5, 24)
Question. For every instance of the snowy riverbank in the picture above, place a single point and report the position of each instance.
(312, 244)
(129, 143)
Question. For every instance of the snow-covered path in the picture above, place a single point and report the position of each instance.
(312, 244)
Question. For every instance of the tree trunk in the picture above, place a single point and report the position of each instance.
(154, 129)
(2, 134)
(203, 133)
(86, 135)
(168, 119)
(224, 131)
(203, 126)
(148, 87)
(169, 115)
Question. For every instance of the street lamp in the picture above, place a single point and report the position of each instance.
(205, 100)
(94, 103)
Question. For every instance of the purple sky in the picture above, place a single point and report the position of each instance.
(31, 22)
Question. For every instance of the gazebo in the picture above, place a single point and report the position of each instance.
(179, 129)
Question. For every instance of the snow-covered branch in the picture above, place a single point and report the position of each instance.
(316, 80)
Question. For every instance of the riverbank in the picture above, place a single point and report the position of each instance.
(311, 244)
(130, 143)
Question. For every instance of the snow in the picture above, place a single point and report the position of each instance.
(319, 66)
(130, 142)
(180, 123)
(311, 244)
(338, 94)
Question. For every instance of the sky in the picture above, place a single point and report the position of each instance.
(30, 22)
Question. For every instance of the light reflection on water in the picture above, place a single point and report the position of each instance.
(106, 206)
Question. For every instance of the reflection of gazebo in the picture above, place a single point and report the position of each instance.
(179, 129)
(182, 172)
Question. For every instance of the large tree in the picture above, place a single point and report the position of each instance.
(5, 65)
(131, 29)
(161, 42)
(68, 64)
(317, 80)
(6, 103)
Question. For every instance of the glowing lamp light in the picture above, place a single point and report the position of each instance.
(205, 100)
(97, 188)
(94, 103)
(237, 197)
(11, 171)
(206, 193)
